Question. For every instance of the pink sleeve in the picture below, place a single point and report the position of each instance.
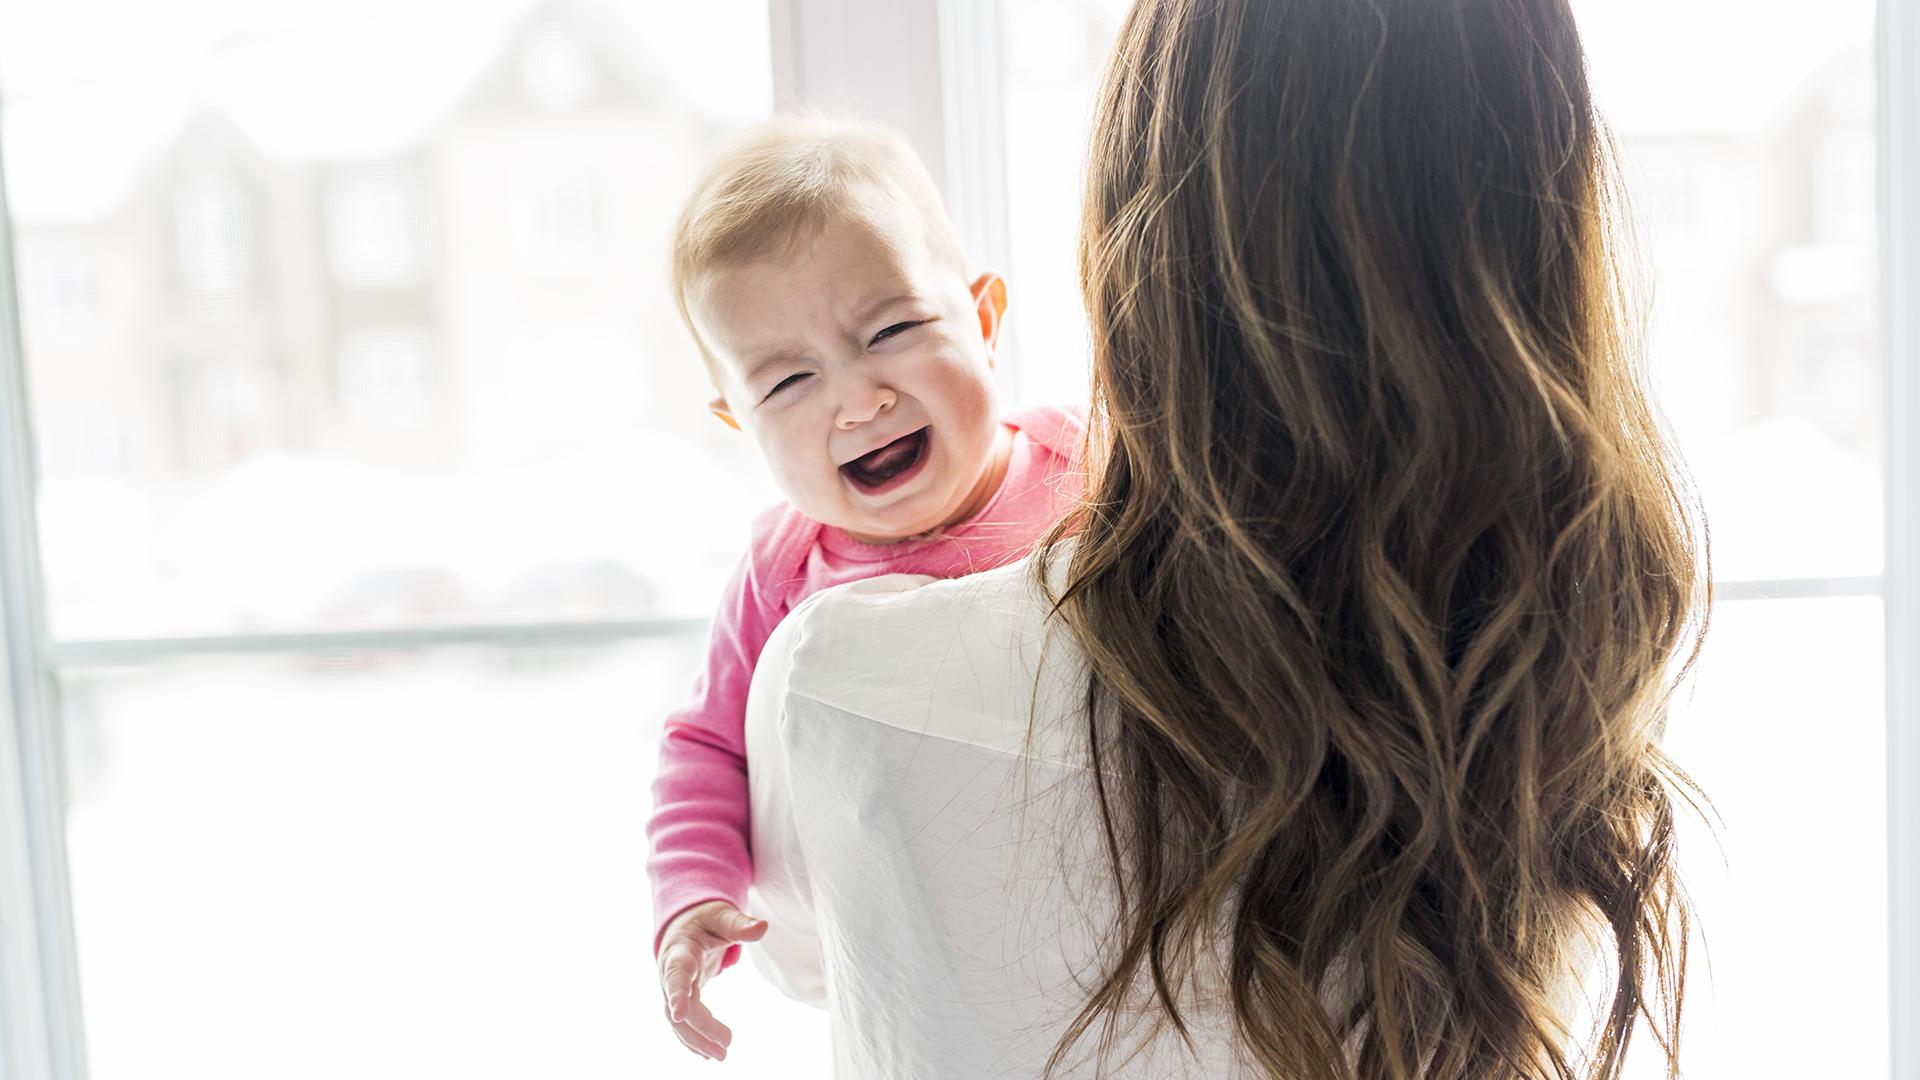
(699, 828)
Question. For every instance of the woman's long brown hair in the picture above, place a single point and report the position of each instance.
(1387, 570)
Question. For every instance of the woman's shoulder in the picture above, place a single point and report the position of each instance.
(901, 624)
(965, 658)
(917, 606)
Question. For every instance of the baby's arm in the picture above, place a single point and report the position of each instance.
(698, 833)
(700, 862)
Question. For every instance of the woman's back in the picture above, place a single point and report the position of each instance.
(952, 877)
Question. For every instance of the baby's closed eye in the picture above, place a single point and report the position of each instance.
(894, 331)
(791, 380)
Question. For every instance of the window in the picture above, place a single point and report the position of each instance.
(1055, 50)
(359, 406)
(376, 862)
(375, 232)
(367, 436)
(385, 380)
(214, 232)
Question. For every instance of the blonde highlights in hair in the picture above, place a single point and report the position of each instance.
(1386, 570)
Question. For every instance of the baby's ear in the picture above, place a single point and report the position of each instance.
(990, 302)
(718, 407)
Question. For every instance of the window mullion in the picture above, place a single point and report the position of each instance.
(973, 92)
(931, 70)
(1899, 64)
(41, 1035)
(1819, 588)
(64, 655)
(875, 59)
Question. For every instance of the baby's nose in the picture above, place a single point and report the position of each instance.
(863, 406)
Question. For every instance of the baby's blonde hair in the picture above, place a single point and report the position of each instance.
(784, 178)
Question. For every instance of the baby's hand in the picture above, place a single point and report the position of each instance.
(690, 953)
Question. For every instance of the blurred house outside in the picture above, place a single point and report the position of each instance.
(425, 279)
(455, 268)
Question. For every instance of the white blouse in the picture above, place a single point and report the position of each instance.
(933, 877)
(933, 869)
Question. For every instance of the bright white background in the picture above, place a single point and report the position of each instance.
(350, 317)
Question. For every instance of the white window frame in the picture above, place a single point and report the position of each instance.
(933, 70)
(40, 1032)
(930, 69)
(1899, 95)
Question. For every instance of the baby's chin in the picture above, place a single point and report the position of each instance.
(920, 512)
(885, 533)
(887, 528)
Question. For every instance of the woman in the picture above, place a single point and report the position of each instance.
(1322, 740)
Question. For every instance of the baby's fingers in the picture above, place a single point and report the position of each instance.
(698, 1043)
(706, 1027)
(742, 927)
(679, 978)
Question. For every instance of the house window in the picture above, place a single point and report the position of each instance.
(214, 230)
(385, 378)
(375, 227)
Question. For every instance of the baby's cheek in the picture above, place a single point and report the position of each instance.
(969, 390)
(983, 412)
(801, 485)
(793, 481)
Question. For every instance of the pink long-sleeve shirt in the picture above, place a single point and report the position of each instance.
(699, 828)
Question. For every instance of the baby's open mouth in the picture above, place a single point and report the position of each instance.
(876, 469)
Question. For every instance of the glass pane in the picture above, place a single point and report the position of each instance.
(392, 864)
(1055, 52)
(1785, 730)
(436, 858)
(1751, 162)
(349, 314)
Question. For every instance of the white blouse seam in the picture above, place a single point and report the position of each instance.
(943, 737)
